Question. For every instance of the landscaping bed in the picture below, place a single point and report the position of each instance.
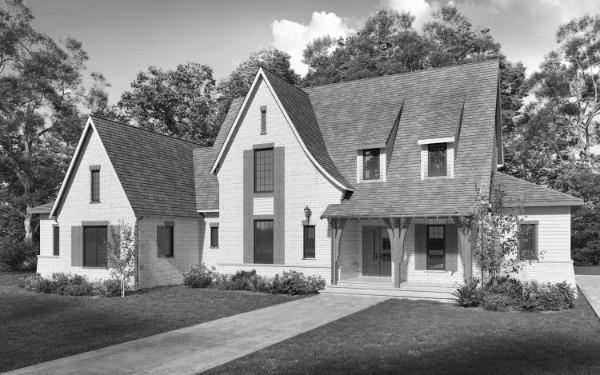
(37, 327)
(419, 337)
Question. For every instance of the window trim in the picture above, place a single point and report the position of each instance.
(55, 240)
(214, 226)
(305, 244)
(255, 169)
(429, 156)
(94, 169)
(428, 268)
(364, 169)
(536, 237)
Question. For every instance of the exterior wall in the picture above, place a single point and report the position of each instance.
(189, 240)
(554, 244)
(304, 186)
(77, 208)
(47, 236)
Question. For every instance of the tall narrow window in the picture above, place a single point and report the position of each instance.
(95, 185)
(55, 241)
(437, 159)
(528, 242)
(263, 170)
(436, 247)
(214, 236)
(263, 241)
(371, 164)
(263, 119)
(309, 241)
(165, 240)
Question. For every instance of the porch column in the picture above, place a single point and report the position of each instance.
(397, 228)
(337, 227)
(468, 242)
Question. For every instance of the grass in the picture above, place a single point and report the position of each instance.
(420, 337)
(587, 270)
(39, 327)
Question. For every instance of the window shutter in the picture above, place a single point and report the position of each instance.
(160, 241)
(279, 206)
(114, 236)
(248, 206)
(451, 247)
(76, 246)
(420, 247)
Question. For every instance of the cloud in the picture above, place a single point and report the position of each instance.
(421, 9)
(292, 37)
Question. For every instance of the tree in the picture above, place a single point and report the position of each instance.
(180, 102)
(122, 255)
(40, 89)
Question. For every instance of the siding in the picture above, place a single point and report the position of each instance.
(304, 186)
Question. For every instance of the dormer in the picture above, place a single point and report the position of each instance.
(371, 164)
(437, 158)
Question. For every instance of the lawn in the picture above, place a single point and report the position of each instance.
(40, 327)
(419, 337)
(587, 270)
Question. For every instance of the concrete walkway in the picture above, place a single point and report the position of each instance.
(201, 347)
(590, 286)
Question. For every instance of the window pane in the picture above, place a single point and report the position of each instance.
(309, 241)
(214, 237)
(56, 242)
(169, 241)
(263, 241)
(94, 246)
(371, 164)
(527, 241)
(437, 159)
(263, 170)
(95, 186)
(436, 247)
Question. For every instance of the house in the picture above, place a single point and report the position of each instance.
(345, 181)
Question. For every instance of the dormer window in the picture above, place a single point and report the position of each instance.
(371, 164)
(437, 159)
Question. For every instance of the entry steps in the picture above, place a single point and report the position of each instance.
(408, 290)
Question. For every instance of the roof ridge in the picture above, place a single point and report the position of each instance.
(284, 81)
(482, 62)
(150, 131)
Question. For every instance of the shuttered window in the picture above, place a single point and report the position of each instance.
(371, 164)
(263, 170)
(95, 185)
(165, 240)
(94, 246)
(436, 247)
(55, 240)
(309, 241)
(214, 236)
(528, 241)
(437, 159)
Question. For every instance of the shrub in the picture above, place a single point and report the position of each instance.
(469, 295)
(498, 302)
(505, 285)
(199, 276)
(36, 283)
(245, 280)
(18, 256)
(548, 297)
(294, 283)
(588, 255)
(110, 288)
(70, 285)
(77, 290)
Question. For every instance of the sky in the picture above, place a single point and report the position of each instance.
(125, 37)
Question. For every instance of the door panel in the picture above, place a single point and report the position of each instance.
(377, 252)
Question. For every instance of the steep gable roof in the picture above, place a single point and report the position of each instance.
(156, 171)
(518, 192)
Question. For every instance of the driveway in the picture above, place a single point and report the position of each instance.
(201, 347)
(590, 286)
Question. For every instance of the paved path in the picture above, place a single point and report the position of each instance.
(201, 347)
(590, 286)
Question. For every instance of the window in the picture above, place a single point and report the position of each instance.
(214, 236)
(437, 159)
(55, 241)
(95, 184)
(436, 247)
(309, 241)
(528, 241)
(263, 241)
(263, 119)
(371, 164)
(94, 246)
(165, 240)
(263, 170)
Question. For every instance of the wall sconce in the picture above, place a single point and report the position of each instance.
(307, 213)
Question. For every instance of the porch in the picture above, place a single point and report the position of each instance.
(405, 257)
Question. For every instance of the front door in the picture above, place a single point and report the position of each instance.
(377, 252)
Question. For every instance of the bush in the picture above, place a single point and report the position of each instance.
(110, 288)
(498, 302)
(70, 285)
(199, 276)
(505, 285)
(18, 256)
(548, 297)
(469, 295)
(36, 283)
(294, 283)
(588, 255)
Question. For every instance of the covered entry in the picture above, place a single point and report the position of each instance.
(376, 251)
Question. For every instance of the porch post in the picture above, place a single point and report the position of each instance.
(337, 226)
(397, 229)
(467, 248)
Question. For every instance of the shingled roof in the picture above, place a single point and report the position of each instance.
(518, 192)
